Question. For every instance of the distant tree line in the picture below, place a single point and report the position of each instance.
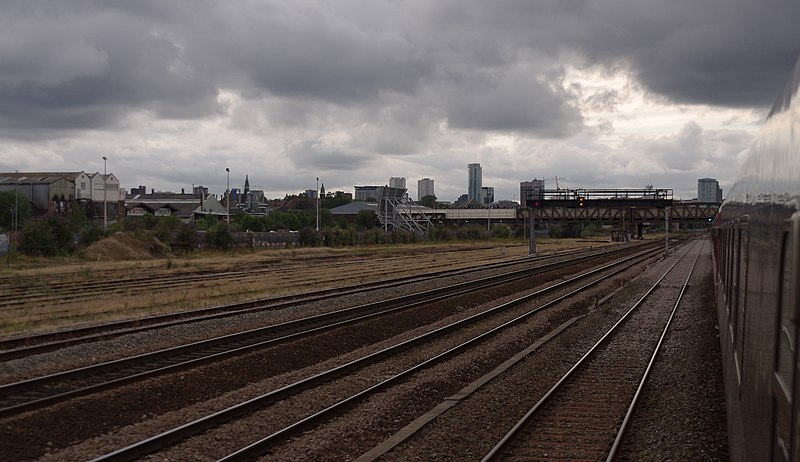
(64, 235)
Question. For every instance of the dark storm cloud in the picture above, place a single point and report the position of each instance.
(722, 52)
(516, 101)
(730, 53)
(89, 64)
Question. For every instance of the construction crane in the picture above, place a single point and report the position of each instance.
(556, 179)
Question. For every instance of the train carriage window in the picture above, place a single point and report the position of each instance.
(786, 327)
(724, 268)
(742, 296)
(729, 269)
(786, 338)
(734, 278)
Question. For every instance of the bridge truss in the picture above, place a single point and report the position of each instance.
(617, 212)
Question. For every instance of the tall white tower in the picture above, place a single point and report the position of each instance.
(425, 188)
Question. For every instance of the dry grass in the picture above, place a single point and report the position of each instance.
(287, 271)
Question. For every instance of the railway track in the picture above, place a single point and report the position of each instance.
(19, 293)
(585, 414)
(20, 347)
(43, 391)
(574, 286)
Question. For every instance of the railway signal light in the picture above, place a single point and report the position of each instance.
(581, 201)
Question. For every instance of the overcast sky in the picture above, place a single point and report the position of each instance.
(611, 93)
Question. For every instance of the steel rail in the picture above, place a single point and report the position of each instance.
(39, 392)
(79, 290)
(41, 343)
(247, 267)
(494, 453)
(243, 268)
(612, 455)
(260, 447)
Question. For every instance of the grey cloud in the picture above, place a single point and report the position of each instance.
(317, 155)
(89, 67)
(692, 149)
(514, 101)
(719, 52)
(300, 49)
(90, 64)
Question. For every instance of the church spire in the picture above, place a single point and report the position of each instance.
(246, 184)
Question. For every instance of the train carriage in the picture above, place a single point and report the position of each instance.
(756, 239)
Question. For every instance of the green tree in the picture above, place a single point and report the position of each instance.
(372, 236)
(428, 201)
(402, 236)
(310, 237)
(366, 219)
(472, 232)
(46, 238)
(8, 200)
(219, 237)
(309, 218)
(90, 233)
(592, 230)
(185, 239)
(336, 236)
(501, 231)
(440, 233)
(282, 220)
(205, 223)
(334, 200)
(149, 221)
(305, 203)
(165, 227)
(247, 222)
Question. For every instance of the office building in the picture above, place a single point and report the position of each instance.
(708, 190)
(475, 182)
(425, 188)
(487, 194)
(529, 190)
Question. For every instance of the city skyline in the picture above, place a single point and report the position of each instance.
(708, 189)
(619, 94)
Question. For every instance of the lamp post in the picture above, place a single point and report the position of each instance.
(532, 250)
(228, 198)
(666, 231)
(193, 209)
(105, 202)
(15, 216)
(317, 203)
